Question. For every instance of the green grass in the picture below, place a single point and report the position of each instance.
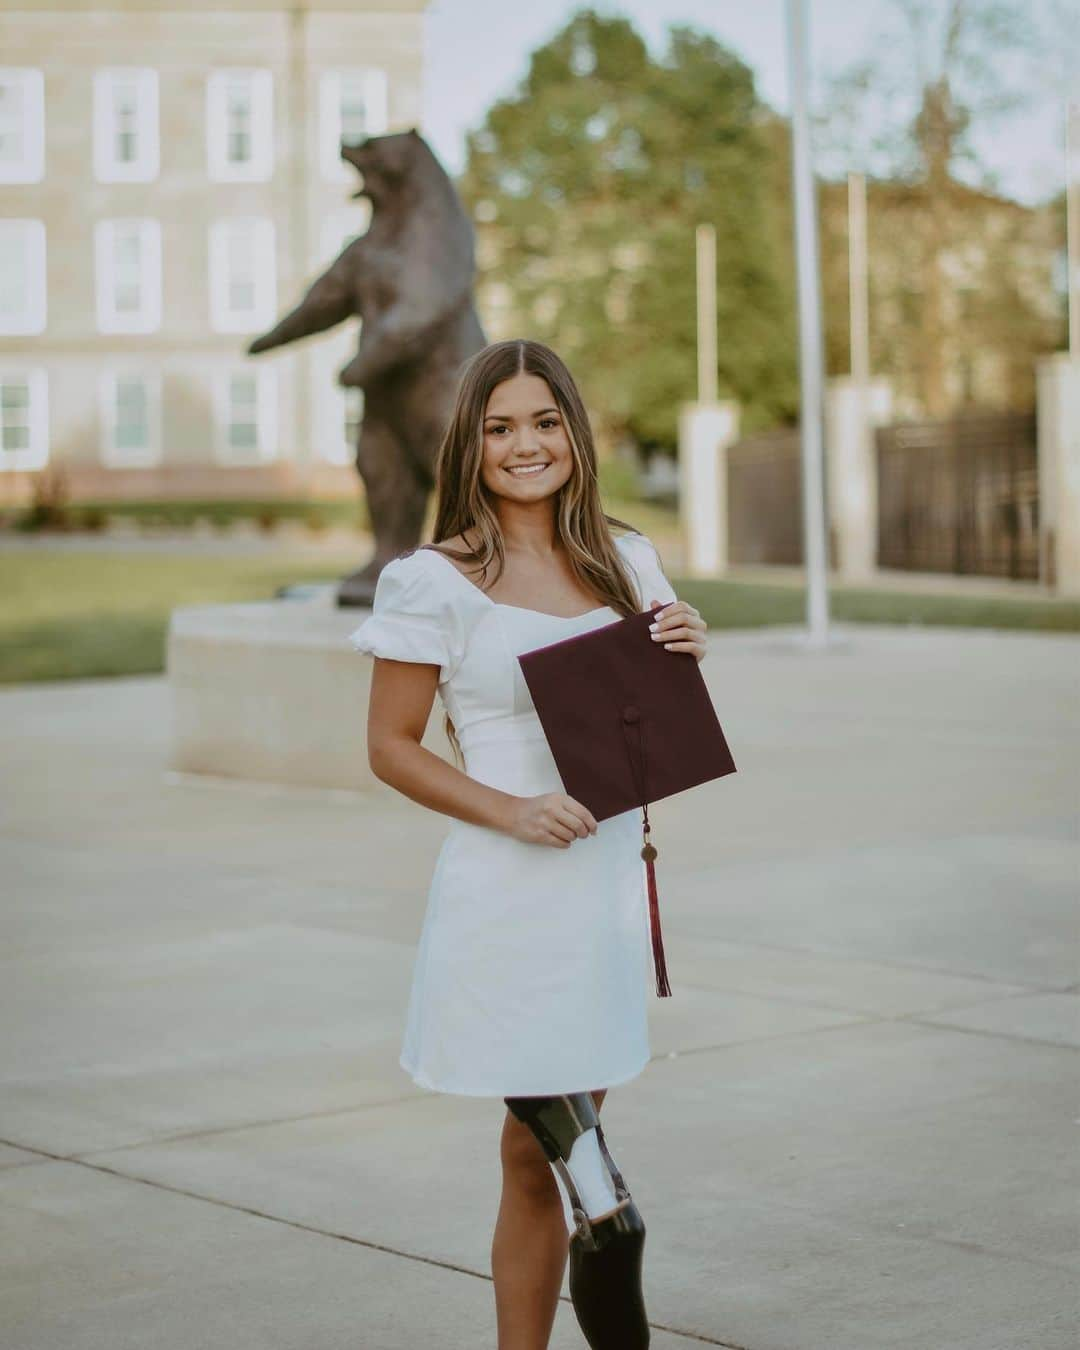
(728, 604)
(71, 615)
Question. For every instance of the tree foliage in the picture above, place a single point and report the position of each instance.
(587, 185)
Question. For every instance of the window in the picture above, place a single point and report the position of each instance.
(240, 125)
(246, 415)
(130, 418)
(24, 432)
(352, 105)
(128, 266)
(342, 412)
(22, 125)
(126, 125)
(241, 428)
(243, 275)
(353, 416)
(22, 277)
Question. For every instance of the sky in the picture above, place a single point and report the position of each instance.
(477, 51)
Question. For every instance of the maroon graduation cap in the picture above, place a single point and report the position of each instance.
(628, 722)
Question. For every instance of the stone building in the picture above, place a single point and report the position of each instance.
(170, 181)
(959, 319)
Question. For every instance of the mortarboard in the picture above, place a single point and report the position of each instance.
(628, 722)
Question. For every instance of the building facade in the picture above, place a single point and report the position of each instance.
(957, 322)
(170, 182)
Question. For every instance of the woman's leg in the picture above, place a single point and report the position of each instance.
(530, 1246)
(607, 1232)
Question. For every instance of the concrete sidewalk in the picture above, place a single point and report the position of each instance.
(859, 1128)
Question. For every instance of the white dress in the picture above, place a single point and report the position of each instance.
(534, 963)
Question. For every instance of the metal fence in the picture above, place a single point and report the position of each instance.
(764, 498)
(960, 495)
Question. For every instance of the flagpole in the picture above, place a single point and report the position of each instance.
(859, 306)
(811, 360)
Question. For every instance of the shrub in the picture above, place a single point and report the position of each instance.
(49, 501)
(91, 518)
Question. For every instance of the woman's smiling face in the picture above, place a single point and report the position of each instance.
(523, 426)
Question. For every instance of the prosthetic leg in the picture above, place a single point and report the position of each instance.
(607, 1233)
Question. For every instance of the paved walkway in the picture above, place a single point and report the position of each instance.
(858, 1130)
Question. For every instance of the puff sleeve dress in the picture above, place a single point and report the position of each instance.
(533, 967)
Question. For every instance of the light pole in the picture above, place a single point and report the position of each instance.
(811, 360)
(706, 313)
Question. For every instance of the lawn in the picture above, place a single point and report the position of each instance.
(730, 604)
(70, 615)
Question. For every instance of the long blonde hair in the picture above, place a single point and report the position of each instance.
(463, 502)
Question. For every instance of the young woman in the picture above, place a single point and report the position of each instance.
(533, 965)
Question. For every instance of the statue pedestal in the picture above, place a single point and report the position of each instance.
(273, 691)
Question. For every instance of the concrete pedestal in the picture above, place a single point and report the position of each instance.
(273, 691)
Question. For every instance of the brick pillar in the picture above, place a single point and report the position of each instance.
(851, 472)
(706, 430)
(1058, 385)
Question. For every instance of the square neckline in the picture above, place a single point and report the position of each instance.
(500, 604)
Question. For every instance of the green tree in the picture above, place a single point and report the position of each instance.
(587, 185)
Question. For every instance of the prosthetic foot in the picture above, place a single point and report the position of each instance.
(607, 1233)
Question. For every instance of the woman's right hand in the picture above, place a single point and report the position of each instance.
(552, 818)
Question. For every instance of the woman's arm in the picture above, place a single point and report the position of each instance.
(402, 694)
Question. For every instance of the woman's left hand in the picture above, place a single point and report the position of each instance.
(679, 627)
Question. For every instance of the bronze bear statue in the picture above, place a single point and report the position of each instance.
(409, 278)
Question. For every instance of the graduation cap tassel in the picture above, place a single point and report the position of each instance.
(632, 717)
(648, 852)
